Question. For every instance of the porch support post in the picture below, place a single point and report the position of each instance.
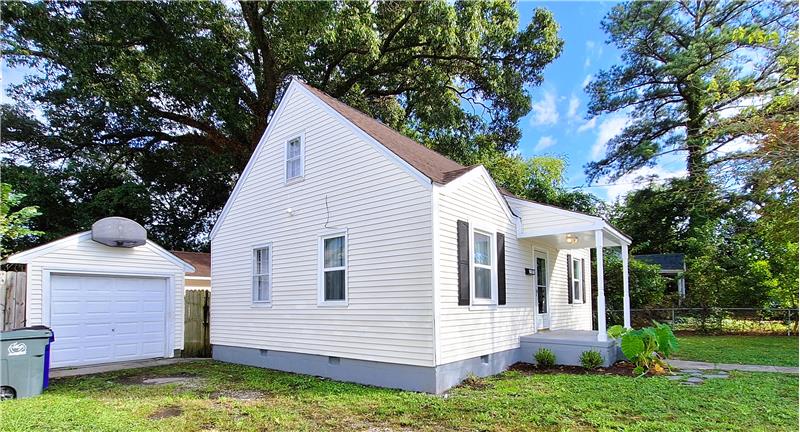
(626, 296)
(601, 296)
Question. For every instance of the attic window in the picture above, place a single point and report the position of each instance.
(294, 159)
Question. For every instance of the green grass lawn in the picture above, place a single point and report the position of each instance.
(765, 350)
(238, 398)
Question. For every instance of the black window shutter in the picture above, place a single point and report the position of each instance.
(583, 280)
(569, 278)
(463, 263)
(501, 269)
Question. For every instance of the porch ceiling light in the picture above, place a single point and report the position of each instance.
(572, 239)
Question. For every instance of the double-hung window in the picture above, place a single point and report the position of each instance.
(577, 280)
(262, 274)
(483, 271)
(294, 159)
(333, 271)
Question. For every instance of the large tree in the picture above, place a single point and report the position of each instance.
(177, 94)
(693, 76)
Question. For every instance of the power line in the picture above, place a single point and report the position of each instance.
(637, 183)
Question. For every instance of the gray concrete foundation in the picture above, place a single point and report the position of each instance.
(566, 345)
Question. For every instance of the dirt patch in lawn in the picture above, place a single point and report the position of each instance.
(183, 379)
(475, 383)
(145, 379)
(166, 412)
(242, 395)
(619, 368)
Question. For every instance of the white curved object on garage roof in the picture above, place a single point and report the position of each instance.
(118, 231)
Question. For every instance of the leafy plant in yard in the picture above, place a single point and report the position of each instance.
(545, 358)
(14, 222)
(591, 359)
(647, 347)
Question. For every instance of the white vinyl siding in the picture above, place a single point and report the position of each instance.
(563, 315)
(89, 257)
(348, 185)
(540, 217)
(467, 332)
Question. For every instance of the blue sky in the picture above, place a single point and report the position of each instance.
(557, 124)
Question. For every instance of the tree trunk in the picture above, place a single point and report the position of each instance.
(699, 182)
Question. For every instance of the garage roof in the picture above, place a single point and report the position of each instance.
(25, 257)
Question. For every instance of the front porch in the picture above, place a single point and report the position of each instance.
(568, 230)
(567, 345)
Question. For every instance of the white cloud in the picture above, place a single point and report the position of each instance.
(607, 130)
(594, 48)
(586, 81)
(745, 103)
(545, 111)
(589, 124)
(544, 143)
(740, 144)
(593, 51)
(574, 104)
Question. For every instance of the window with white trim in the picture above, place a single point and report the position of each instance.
(262, 277)
(294, 159)
(483, 266)
(577, 280)
(333, 277)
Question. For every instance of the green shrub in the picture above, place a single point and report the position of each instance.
(545, 358)
(647, 347)
(647, 285)
(591, 359)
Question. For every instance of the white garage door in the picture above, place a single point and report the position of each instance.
(101, 319)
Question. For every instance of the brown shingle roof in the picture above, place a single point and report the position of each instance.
(433, 165)
(201, 261)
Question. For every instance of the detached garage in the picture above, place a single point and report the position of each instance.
(108, 294)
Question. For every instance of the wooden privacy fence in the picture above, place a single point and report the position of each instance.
(196, 329)
(13, 286)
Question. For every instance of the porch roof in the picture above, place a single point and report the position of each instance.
(554, 225)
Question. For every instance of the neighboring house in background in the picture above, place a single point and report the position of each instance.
(349, 251)
(105, 304)
(201, 261)
(673, 267)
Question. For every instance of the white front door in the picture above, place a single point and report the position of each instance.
(542, 293)
(101, 319)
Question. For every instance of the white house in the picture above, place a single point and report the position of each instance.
(349, 251)
(105, 304)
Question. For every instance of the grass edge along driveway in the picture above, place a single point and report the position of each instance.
(218, 396)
